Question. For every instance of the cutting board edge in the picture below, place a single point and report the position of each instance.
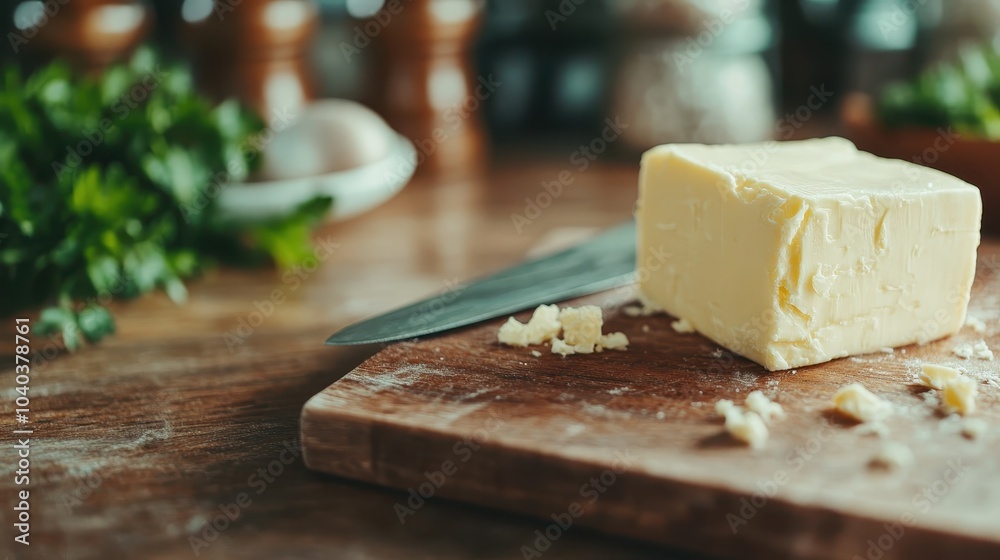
(360, 433)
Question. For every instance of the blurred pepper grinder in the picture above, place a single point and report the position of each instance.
(253, 50)
(89, 34)
(423, 83)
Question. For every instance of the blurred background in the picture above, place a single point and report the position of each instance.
(525, 75)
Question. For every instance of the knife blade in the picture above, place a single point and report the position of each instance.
(600, 263)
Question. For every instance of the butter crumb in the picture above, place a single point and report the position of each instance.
(973, 428)
(764, 407)
(560, 347)
(747, 427)
(978, 350)
(893, 455)
(582, 327)
(960, 395)
(513, 333)
(963, 351)
(724, 406)
(854, 401)
(682, 326)
(935, 376)
(645, 308)
(982, 351)
(614, 341)
(977, 325)
(543, 326)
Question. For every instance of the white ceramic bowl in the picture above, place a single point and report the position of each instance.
(354, 191)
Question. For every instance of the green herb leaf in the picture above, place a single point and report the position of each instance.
(104, 192)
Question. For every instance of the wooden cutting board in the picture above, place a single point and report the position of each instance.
(628, 442)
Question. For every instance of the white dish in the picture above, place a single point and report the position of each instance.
(354, 191)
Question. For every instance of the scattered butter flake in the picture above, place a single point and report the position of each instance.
(960, 395)
(981, 351)
(978, 350)
(764, 407)
(661, 415)
(724, 406)
(582, 326)
(544, 325)
(649, 307)
(645, 328)
(645, 308)
(618, 391)
(854, 401)
(682, 326)
(717, 353)
(747, 427)
(893, 455)
(976, 324)
(973, 428)
(614, 341)
(963, 351)
(560, 347)
(935, 376)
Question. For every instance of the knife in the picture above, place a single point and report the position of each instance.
(602, 262)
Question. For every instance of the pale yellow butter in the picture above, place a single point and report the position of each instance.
(801, 252)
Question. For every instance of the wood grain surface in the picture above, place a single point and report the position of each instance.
(629, 443)
(138, 441)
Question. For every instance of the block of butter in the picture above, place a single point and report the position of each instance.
(796, 253)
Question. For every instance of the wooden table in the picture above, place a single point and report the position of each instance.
(141, 443)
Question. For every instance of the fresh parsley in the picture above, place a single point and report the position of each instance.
(963, 94)
(107, 188)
